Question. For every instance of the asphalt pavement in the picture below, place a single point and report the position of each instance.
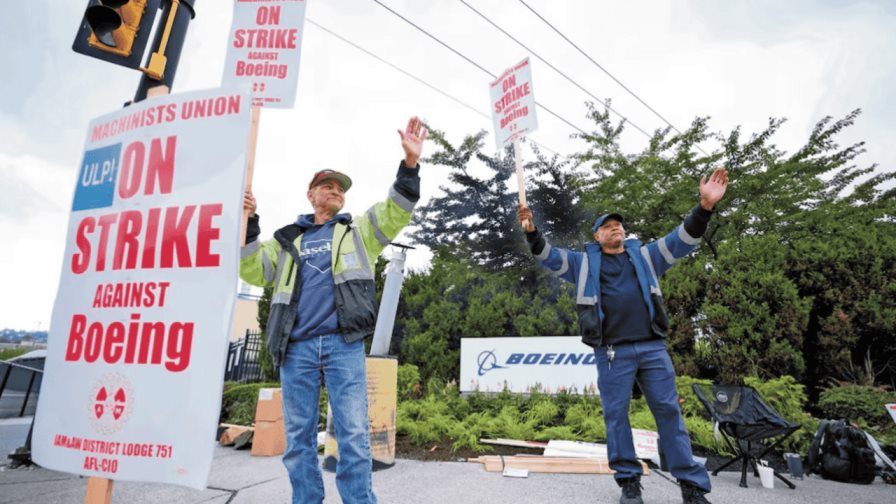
(238, 478)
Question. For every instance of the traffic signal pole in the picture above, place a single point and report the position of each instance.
(166, 46)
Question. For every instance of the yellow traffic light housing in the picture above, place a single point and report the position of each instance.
(115, 24)
(116, 30)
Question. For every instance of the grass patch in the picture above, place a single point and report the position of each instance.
(12, 353)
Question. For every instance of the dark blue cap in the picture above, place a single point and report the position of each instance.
(603, 218)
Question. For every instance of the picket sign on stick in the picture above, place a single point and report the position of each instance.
(146, 290)
(513, 112)
(268, 66)
(99, 490)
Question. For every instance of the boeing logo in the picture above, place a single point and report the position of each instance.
(488, 361)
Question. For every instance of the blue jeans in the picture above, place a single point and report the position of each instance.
(647, 362)
(343, 367)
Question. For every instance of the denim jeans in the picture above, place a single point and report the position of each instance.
(343, 367)
(647, 362)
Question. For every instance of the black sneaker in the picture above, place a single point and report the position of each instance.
(691, 494)
(631, 490)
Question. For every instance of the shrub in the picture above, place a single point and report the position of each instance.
(239, 401)
(586, 421)
(444, 413)
(856, 402)
(702, 434)
(409, 381)
(690, 405)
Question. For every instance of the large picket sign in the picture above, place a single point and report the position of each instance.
(264, 50)
(138, 336)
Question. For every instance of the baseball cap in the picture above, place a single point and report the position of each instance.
(603, 218)
(339, 177)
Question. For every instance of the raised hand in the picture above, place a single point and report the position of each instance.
(712, 190)
(249, 202)
(524, 215)
(412, 141)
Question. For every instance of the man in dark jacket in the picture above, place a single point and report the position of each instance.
(323, 306)
(621, 315)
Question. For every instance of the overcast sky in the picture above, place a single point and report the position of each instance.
(739, 62)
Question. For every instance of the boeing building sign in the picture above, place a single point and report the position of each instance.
(551, 364)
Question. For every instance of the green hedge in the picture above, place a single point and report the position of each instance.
(439, 411)
(857, 403)
(443, 412)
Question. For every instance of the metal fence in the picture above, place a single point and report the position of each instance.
(243, 359)
(18, 384)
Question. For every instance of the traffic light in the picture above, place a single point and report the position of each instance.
(116, 30)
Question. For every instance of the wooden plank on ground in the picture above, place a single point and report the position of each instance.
(496, 463)
(517, 443)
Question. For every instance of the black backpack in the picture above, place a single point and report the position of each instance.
(841, 452)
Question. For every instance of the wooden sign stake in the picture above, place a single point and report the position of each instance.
(521, 182)
(99, 491)
(250, 166)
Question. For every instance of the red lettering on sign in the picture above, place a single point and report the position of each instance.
(147, 343)
(266, 38)
(160, 167)
(81, 259)
(206, 235)
(515, 94)
(179, 248)
(130, 295)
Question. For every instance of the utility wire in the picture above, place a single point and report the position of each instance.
(576, 84)
(604, 70)
(477, 65)
(412, 76)
(421, 81)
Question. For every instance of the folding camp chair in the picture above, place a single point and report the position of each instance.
(744, 420)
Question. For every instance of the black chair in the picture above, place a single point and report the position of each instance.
(745, 422)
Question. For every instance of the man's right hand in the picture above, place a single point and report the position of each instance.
(524, 215)
(249, 202)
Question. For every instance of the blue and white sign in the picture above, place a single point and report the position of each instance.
(551, 364)
(96, 181)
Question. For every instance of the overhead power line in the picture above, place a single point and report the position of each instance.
(421, 81)
(546, 62)
(477, 65)
(412, 76)
(604, 70)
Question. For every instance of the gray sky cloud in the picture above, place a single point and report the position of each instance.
(739, 62)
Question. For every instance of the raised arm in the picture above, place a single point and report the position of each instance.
(384, 220)
(560, 262)
(666, 251)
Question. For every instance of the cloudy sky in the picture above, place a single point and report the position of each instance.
(739, 62)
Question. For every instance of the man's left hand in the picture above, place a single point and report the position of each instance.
(412, 141)
(712, 190)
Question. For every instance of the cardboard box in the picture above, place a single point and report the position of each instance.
(231, 432)
(269, 439)
(270, 405)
